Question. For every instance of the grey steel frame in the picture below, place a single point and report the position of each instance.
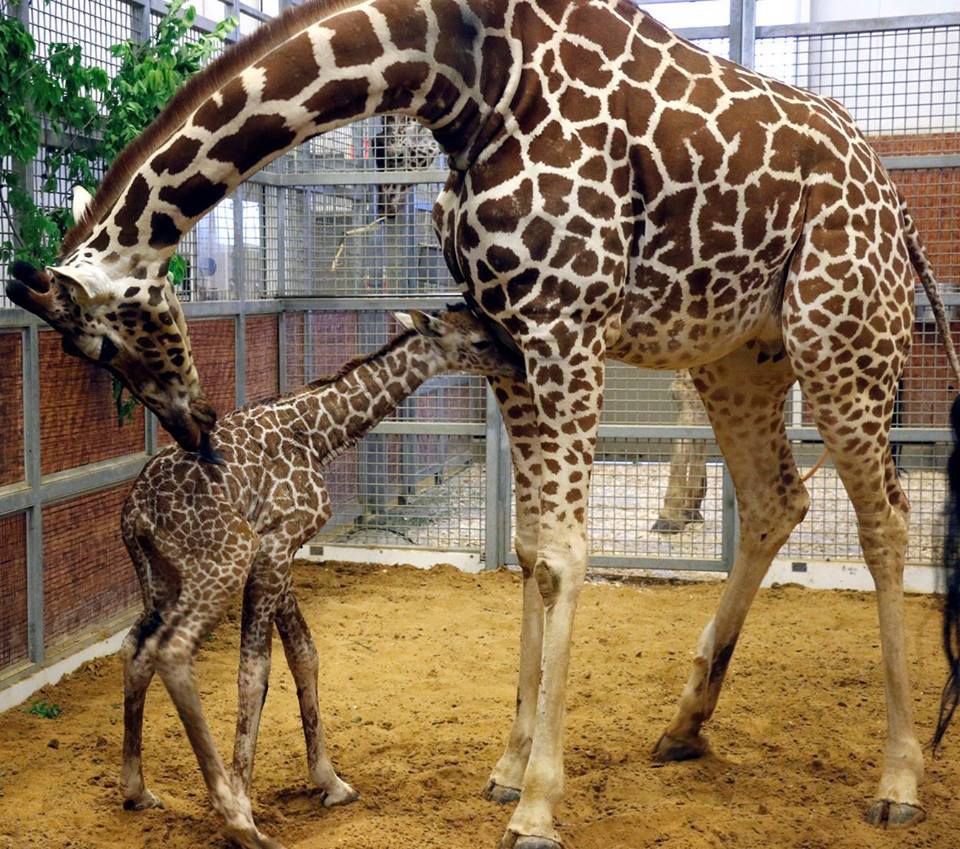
(37, 490)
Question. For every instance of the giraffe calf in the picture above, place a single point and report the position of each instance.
(198, 533)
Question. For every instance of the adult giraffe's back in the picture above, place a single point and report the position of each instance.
(615, 192)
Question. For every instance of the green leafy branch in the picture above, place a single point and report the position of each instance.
(69, 119)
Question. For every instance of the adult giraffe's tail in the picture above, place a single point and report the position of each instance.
(950, 698)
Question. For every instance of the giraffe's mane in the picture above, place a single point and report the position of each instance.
(356, 362)
(187, 100)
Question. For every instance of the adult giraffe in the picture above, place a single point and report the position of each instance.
(615, 192)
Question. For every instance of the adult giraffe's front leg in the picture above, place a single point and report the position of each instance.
(519, 416)
(565, 375)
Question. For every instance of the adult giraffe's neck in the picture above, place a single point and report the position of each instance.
(337, 412)
(424, 58)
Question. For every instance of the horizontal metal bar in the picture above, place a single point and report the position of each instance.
(703, 33)
(223, 309)
(367, 176)
(15, 498)
(386, 302)
(622, 431)
(797, 434)
(852, 27)
(199, 22)
(432, 428)
(254, 12)
(909, 163)
(71, 483)
(629, 561)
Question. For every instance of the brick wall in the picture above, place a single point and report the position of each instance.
(213, 341)
(13, 590)
(78, 419)
(87, 574)
(11, 409)
(262, 360)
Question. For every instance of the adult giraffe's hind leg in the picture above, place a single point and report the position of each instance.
(848, 370)
(744, 395)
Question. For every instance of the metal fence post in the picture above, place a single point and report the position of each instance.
(730, 524)
(240, 292)
(30, 346)
(494, 549)
(743, 31)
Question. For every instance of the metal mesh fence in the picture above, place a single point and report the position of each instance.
(892, 81)
(422, 481)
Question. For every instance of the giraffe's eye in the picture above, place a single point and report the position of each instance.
(482, 345)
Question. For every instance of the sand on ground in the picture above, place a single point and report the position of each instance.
(417, 691)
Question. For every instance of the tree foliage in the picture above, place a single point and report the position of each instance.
(68, 120)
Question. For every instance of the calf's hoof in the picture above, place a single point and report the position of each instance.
(494, 792)
(673, 749)
(884, 813)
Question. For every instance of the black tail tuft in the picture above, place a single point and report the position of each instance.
(951, 603)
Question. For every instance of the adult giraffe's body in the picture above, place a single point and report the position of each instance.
(616, 192)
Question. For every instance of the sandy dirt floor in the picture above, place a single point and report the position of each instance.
(417, 690)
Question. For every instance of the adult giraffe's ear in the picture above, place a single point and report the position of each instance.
(75, 279)
(81, 200)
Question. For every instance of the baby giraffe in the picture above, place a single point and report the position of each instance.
(198, 533)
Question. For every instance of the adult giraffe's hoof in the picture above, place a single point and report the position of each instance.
(667, 526)
(143, 802)
(694, 516)
(343, 794)
(512, 840)
(672, 749)
(494, 792)
(251, 838)
(886, 814)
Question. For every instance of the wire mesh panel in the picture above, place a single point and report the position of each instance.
(13, 590)
(367, 239)
(829, 531)
(892, 81)
(409, 490)
(407, 486)
(630, 491)
(93, 24)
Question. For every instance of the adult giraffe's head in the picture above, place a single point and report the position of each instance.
(121, 313)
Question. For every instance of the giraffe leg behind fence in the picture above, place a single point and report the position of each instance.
(687, 483)
(301, 653)
(744, 394)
